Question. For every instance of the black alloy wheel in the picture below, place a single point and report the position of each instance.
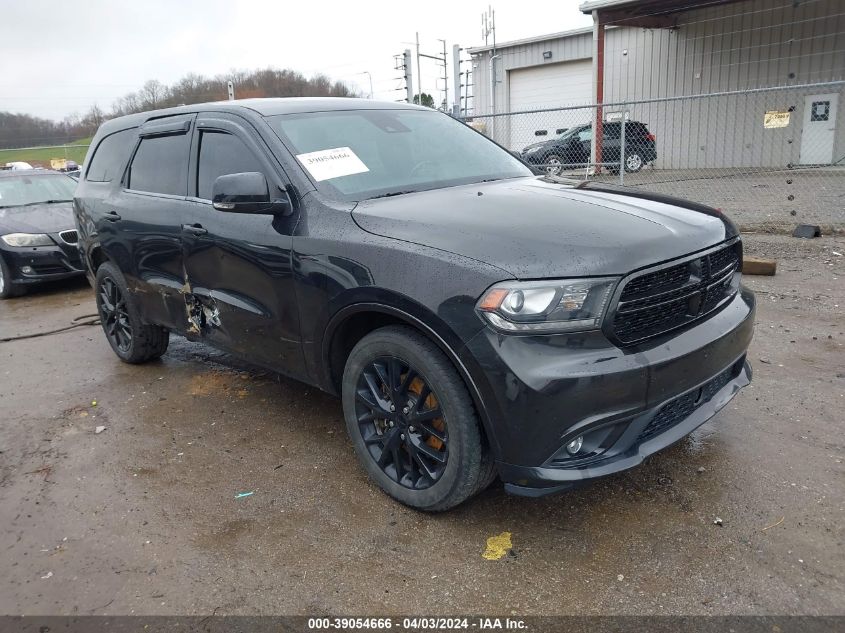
(114, 315)
(133, 340)
(412, 421)
(401, 422)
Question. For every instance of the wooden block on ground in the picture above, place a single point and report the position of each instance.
(758, 266)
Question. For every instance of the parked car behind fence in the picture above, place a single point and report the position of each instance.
(572, 148)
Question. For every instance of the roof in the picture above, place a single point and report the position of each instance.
(263, 107)
(592, 5)
(7, 173)
(23, 173)
(653, 7)
(532, 40)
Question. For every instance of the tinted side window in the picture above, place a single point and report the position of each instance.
(109, 156)
(611, 130)
(161, 165)
(222, 154)
(636, 130)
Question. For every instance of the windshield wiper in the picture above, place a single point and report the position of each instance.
(393, 193)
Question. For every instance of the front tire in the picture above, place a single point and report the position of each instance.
(412, 421)
(131, 339)
(554, 165)
(7, 288)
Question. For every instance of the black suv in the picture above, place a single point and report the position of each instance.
(476, 320)
(572, 148)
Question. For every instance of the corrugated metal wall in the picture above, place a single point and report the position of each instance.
(740, 46)
(563, 49)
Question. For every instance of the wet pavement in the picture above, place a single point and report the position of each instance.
(143, 517)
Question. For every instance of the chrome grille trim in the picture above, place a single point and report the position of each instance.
(70, 237)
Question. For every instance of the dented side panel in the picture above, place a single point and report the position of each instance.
(241, 294)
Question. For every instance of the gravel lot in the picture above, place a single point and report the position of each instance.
(142, 518)
(768, 200)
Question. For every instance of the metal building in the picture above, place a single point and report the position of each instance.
(658, 50)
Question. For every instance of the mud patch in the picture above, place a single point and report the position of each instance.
(212, 383)
(225, 536)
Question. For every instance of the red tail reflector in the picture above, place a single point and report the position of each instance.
(651, 137)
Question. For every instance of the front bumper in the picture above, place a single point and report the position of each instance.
(541, 392)
(36, 264)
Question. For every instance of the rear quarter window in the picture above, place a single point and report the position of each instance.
(109, 156)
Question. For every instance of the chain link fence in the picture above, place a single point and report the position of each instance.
(770, 158)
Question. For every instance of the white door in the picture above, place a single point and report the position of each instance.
(548, 86)
(819, 129)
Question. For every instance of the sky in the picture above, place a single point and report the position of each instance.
(60, 58)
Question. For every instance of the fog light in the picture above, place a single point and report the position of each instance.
(575, 445)
(27, 270)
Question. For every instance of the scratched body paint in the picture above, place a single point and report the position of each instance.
(498, 546)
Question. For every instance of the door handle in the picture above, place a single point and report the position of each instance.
(194, 229)
(111, 216)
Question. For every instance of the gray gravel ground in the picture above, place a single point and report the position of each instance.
(142, 518)
(768, 200)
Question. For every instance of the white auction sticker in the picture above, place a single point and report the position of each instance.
(332, 163)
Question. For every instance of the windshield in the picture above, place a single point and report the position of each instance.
(23, 189)
(574, 131)
(358, 154)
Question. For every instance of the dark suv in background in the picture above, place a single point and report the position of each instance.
(572, 148)
(476, 320)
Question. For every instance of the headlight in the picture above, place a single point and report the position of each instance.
(27, 239)
(568, 305)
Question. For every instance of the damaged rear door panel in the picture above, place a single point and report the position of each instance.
(141, 220)
(239, 292)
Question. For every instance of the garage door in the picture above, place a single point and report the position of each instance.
(548, 86)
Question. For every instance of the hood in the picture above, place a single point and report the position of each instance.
(535, 228)
(534, 146)
(37, 218)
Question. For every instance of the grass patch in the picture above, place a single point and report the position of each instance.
(40, 156)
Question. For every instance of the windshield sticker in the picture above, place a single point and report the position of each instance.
(332, 163)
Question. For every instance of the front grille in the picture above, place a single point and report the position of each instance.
(657, 301)
(69, 237)
(679, 409)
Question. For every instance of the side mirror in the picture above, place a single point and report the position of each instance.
(246, 192)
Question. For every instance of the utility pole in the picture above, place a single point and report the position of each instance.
(419, 70)
(445, 79)
(488, 28)
(403, 62)
(441, 60)
(467, 84)
(409, 76)
(456, 77)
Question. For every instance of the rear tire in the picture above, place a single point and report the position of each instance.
(131, 339)
(7, 288)
(633, 162)
(426, 451)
